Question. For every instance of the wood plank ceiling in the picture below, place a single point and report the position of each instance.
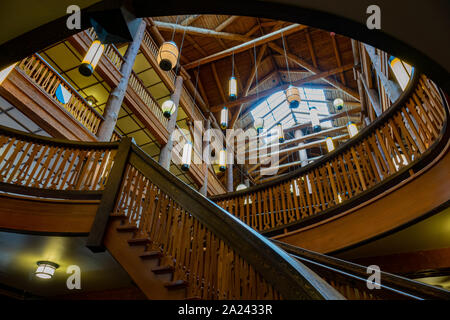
(310, 51)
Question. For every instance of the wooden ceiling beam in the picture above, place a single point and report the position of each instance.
(311, 48)
(261, 52)
(338, 57)
(201, 32)
(218, 84)
(190, 19)
(315, 70)
(226, 23)
(268, 92)
(246, 45)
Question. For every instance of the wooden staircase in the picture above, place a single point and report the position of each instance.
(150, 269)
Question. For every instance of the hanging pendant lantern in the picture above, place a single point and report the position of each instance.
(313, 113)
(280, 132)
(224, 118)
(187, 155)
(259, 125)
(223, 160)
(338, 103)
(352, 129)
(91, 59)
(330, 144)
(168, 108)
(167, 55)
(5, 72)
(232, 88)
(402, 71)
(293, 97)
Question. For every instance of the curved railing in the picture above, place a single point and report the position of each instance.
(350, 279)
(390, 147)
(55, 168)
(38, 70)
(218, 256)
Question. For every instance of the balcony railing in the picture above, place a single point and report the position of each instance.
(47, 78)
(388, 147)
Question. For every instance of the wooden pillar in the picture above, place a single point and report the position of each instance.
(301, 153)
(116, 96)
(230, 158)
(166, 151)
(356, 75)
(391, 88)
(373, 96)
(206, 151)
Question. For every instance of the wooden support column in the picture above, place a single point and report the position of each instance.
(373, 96)
(392, 88)
(356, 74)
(230, 158)
(166, 151)
(301, 153)
(116, 96)
(206, 151)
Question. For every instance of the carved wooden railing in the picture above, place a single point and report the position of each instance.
(218, 256)
(390, 146)
(41, 73)
(43, 166)
(140, 89)
(350, 279)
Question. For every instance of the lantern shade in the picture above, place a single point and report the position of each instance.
(222, 160)
(187, 155)
(167, 55)
(92, 58)
(280, 132)
(259, 124)
(5, 72)
(224, 118)
(232, 88)
(293, 97)
(241, 187)
(330, 144)
(313, 113)
(338, 103)
(45, 269)
(401, 70)
(352, 129)
(168, 107)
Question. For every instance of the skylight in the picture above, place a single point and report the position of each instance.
(276, 109)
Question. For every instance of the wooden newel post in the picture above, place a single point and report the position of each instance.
(109, 196)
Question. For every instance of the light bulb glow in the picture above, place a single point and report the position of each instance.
(232, 88)
(352, 129)
(330, 144)
(168, 108)
(91, 58)
(224, 118)
(222, 160)
(313, 113)
(280, 132)
(45, 269)
(338, 103)
(187, 155)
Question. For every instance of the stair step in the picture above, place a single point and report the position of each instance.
(177, 284)
(163, 269)
(117, 216)
(151, 254)
(138, 241)
(193, 298)
(127, 227)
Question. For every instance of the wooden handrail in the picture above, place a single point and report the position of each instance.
(389, 148)
(350, 278)
(47, 167)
